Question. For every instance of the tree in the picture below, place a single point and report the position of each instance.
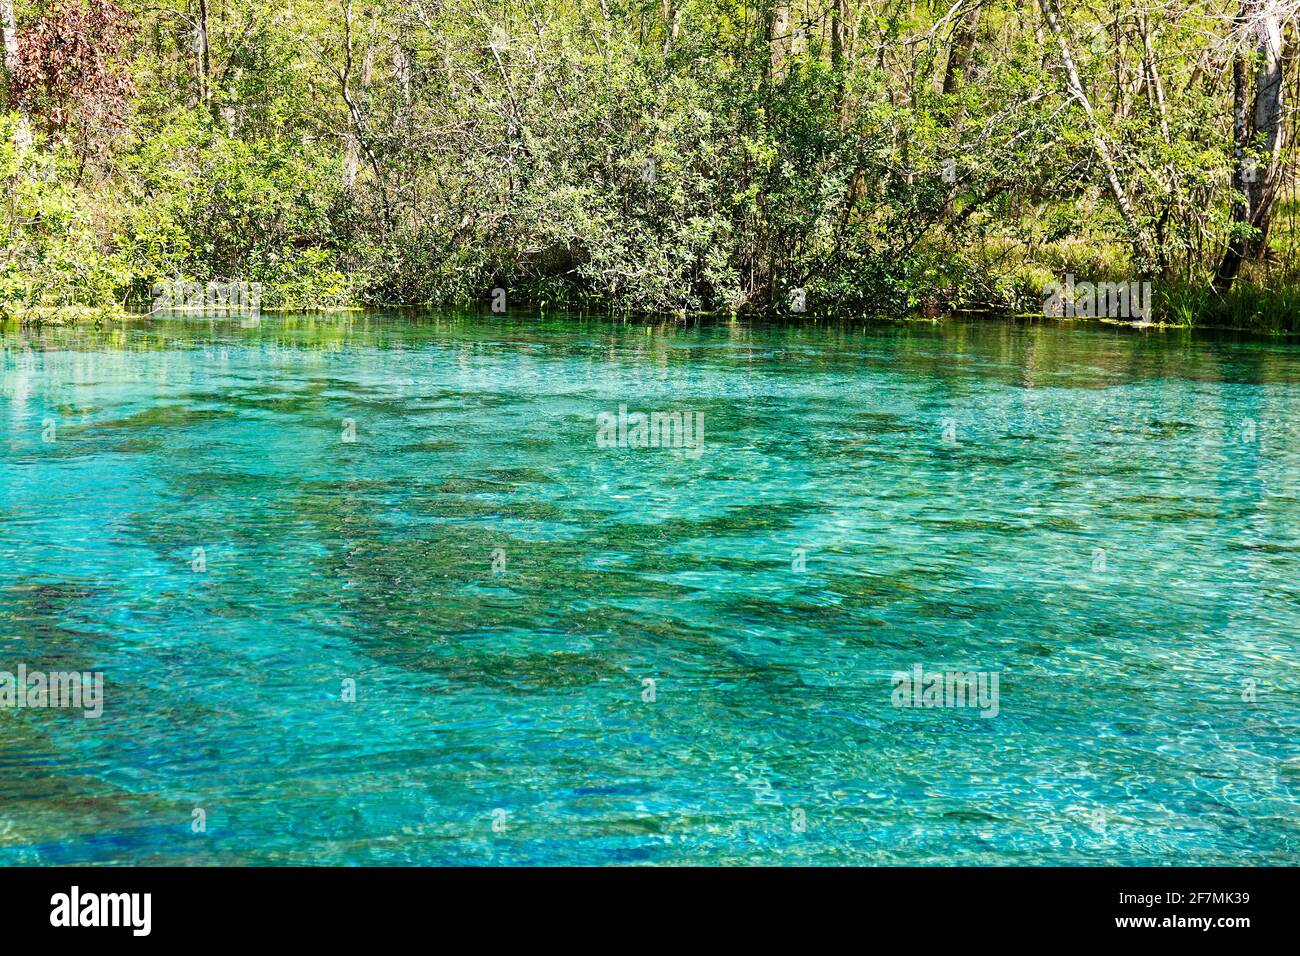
(70, 74)
(9, 28)
(1259, 133)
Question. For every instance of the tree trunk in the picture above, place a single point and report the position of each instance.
(838, 16)
(352, 151)
(778, 38)
(402, 74)
(1268, 125)
(1259, 139)
(1155, 85)
(1233, 256)
(839, 38)
(204, 57)
(963, 42)
(1140, 240)
(9, 26)
(672, 22)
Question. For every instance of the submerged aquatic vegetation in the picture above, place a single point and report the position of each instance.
(354, 643)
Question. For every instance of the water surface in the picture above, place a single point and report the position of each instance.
(1105, 519)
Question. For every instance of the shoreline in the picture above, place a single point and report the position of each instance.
(74, 316)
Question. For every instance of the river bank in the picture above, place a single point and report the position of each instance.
(1246, 309)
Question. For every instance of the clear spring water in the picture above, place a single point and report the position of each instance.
(1106, 520)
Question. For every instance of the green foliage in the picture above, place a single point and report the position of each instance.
(204, 205)
(678, 159)
(53, 253)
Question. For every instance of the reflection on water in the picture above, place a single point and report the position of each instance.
(1106, 520)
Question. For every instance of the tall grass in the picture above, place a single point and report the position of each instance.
(1247, 305)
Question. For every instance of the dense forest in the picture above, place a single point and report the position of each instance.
(823, 157)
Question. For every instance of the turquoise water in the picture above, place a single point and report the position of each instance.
(1105, 520)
